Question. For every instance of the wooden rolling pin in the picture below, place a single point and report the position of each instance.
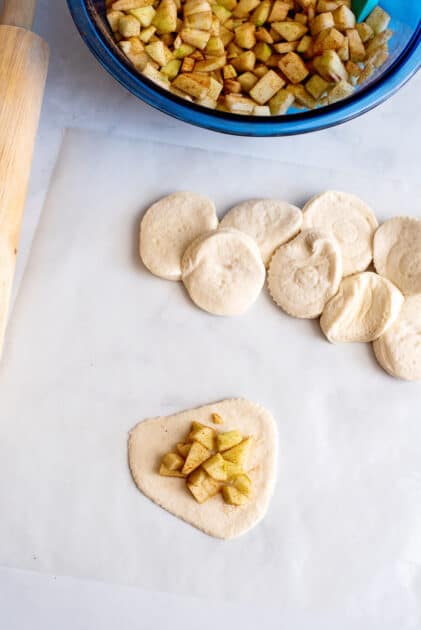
(23, 70)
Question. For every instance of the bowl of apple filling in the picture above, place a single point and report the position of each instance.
(255, 67)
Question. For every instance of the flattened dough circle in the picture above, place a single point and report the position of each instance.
(269, 221)
(223, 271)
(150, 439)
(365, 306)
(347, 219)
(169, 226)
(397, 253)
(398, 351)
(305, 273)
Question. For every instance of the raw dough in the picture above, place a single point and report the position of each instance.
(150, 439)
(349, 221)
(223, 271)
(305, 273)
(269, 221)
(397, 253)
(398, 351)
(169, 226)
(365, 306)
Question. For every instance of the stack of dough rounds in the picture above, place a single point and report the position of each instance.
(305, 273)
(223, 271)
(365, 306)
(269, 221)
(398, 351)
(348, 220)
(320, 272)
(169, 226)
(397, 253)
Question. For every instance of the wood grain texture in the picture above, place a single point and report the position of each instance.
(18, 13)
(23, 70)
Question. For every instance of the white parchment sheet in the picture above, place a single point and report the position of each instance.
(96, 344)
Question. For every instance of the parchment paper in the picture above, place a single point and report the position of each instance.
(96, 344)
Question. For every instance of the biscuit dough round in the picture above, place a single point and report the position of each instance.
(365, 306)
(398, 351)
(150, 439)
(169, 226)
(223, 271)
(347, 219)
(269, 221)
(305, 273)
(397, 253)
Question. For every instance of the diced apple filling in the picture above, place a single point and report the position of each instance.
(209, 461)
(251, 57)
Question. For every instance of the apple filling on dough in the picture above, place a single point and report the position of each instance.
(217, 478)
(211, 462)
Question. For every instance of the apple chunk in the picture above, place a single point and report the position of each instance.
(215, 467)
(242, 483)
(237, 454)
(196, 456)
(202, 486)
(232, 496)
(204, 435)
(228, 439)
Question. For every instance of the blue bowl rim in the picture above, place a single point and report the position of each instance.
(400, 71)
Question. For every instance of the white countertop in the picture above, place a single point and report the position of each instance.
(81, 94)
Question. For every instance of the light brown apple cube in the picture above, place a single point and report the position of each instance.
(321, 22)
(365, 31)
(266, 87)
(342, 90)
(261, 110)
(128, 26)
(239, 104)
(166, 472)
(244, 62)
(247, 80)
(291, 31)
(279, 11)
(330, 39)
(202, 486)
(327, 5)
(232, 496)
(211, 64)
(301, 96)
(215, 467)
(196, 456)
(378, 20)
(281, 102)
(243, 484)
(203, 434)
(356, 46)
(304, 44)
(238, 454)
(245, 35)
(195, 37)
(316, 86)
(113, 18)
(330, 66)
(228, 439)
(285, 47)
(173, 461)
(344, 18)
(215, 89)
(293, 67)
(343, 51)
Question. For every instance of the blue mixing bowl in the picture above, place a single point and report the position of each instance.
(403, 62)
